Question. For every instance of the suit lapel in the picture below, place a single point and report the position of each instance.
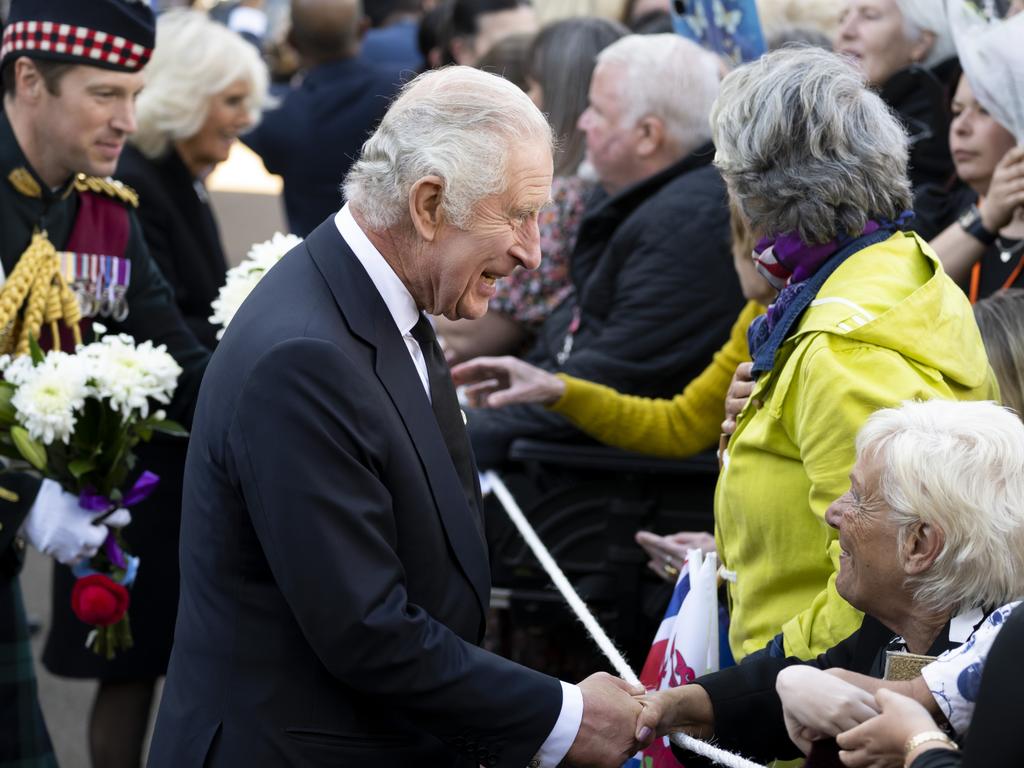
(368, 317)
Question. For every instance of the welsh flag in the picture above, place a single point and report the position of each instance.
(686, 645)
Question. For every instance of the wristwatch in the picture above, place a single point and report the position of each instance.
(970, 221)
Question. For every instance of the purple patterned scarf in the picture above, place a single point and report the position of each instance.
(787, 262)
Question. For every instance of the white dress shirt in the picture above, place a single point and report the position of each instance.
(404, 312)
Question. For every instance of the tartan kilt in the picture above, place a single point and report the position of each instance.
(24, 740)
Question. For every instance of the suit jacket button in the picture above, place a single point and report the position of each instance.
(535, 763)
(482, 754)
(491, 761)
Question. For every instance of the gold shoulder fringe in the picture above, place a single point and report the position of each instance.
(109, 187)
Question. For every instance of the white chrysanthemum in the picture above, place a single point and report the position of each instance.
(242, 278)
(49, 395)
(129, 375)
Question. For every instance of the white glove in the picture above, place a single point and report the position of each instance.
(57, 526)
(818, 706)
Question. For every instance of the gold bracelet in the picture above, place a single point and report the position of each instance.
(924, 737)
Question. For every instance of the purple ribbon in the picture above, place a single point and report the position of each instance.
(95, 502)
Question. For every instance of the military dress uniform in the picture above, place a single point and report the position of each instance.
(104, 259)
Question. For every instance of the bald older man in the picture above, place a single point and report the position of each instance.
(313, 137)
(334, 574)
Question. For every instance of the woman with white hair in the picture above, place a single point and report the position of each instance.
(204, 86)
(865, 319)
(905, 50)
(926, 553)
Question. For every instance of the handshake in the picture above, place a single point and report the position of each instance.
(619, 719)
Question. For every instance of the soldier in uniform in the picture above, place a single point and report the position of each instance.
(71, 71)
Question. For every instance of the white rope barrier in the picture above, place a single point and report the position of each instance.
(594, 629)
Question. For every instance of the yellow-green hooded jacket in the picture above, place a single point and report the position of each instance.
(887, 326)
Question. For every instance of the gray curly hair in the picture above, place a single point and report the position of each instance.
(804, 146)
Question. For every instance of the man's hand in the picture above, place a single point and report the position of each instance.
(607, 735)
(818, 706)
(879, 742)
(493, 382)
(739, 392)
(667, 553)
(58, 527)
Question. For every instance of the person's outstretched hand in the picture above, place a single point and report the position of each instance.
(607, 735)
(493, 382)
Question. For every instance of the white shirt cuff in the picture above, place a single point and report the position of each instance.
(566, 727)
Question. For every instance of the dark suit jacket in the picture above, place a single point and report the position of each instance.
(313, 138)
(334, 577)
(181, 233)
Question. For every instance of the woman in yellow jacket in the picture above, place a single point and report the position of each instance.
(865, 319)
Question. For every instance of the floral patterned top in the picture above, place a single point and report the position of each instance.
(529, 296)
(954, 677)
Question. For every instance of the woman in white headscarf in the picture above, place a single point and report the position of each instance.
(984, 248)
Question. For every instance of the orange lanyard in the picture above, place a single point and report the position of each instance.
(976, 278)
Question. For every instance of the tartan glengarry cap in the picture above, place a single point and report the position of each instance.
(113, 34)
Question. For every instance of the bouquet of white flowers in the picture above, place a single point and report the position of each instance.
(242, 279)
(76, 419)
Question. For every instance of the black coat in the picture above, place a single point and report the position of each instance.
(181, 233)
(334, 575)
(317, 132)
(921, 99)
(182, 236)
(656, 296)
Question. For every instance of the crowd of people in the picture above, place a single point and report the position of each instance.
(602, 231)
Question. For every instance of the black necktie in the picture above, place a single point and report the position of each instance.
(446, 407)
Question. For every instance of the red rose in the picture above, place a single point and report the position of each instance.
(98, 599)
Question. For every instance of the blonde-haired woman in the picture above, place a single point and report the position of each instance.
(204, 86)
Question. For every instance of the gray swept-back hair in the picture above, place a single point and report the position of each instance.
(805, 147)
(669, 77)
(457, 123)
(958, 466)
(195, 58)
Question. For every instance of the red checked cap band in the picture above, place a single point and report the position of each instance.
(113, 34)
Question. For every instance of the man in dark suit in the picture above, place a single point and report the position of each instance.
(334, 574)
(312, 139)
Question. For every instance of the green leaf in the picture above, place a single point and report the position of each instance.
(80, 467)
(32, 450)
(36, 350)
(168, 427)
(8, 414)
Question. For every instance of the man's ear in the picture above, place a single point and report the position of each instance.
(919, 51)
(425, 198)
(28, 82)
(652, 135)
(923, 545)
